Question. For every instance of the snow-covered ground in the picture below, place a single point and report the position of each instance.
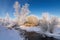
(29, 29)
(57, 29)
(6, 34)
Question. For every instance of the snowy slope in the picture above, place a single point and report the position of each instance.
(6, 34)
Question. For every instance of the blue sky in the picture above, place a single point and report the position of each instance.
(37, 7)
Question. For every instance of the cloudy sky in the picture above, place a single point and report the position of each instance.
(37, 7)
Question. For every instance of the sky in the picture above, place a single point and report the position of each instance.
(37, 7)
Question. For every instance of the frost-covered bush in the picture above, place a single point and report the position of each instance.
(44, 22)
(21, 12)
(44, 25)
(52, 23)
(48, 25)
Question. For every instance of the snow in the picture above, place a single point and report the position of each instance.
(57, 29)
(57, 36)
(29, 29)
(6, 34)
(56, 32)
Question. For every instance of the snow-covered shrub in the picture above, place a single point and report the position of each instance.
(21, 12)
(44, 22)
(43, 25)
(48, 24)
(52, 23)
